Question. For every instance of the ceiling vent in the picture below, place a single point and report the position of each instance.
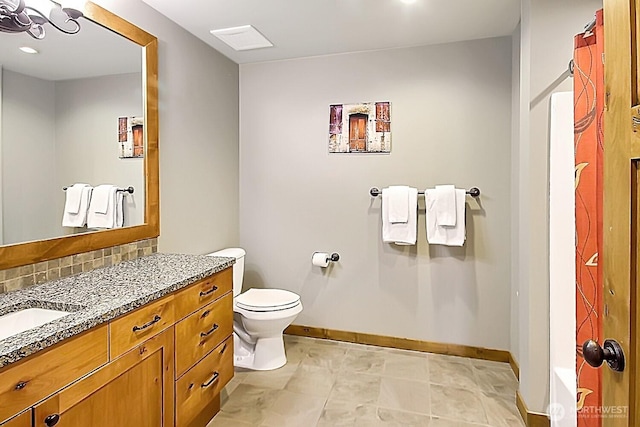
(242, 38)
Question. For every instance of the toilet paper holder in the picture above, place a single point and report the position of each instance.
(334, 257)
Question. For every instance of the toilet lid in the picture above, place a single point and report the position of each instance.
(267, 300)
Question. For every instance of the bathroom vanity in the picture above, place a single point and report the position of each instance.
(147, 342)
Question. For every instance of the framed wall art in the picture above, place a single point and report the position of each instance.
(131, 137)
(360, 128)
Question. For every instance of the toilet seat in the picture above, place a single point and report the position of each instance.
(267, 300)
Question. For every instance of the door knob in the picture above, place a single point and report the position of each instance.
(611, 353)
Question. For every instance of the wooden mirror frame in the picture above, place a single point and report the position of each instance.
(42, 250)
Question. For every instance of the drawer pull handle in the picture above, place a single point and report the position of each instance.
(209, 332)
(223, 348)
(155, 320)
(205, 314)
(211, 381)
(210, 291)
(20, 385)
(52, 420)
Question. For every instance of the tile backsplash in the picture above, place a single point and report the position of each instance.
(33, 274)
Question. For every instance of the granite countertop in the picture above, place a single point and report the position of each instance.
(100, 295)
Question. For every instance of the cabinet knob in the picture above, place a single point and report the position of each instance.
(52, 420)
(20, 385)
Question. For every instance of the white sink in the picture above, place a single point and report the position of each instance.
(23, 320)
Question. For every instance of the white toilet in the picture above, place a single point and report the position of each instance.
(260, 316)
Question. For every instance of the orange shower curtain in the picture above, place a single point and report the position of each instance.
(588, 82)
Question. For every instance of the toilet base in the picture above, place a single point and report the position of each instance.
(265, 355)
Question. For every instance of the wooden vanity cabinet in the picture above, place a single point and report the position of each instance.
(161, 365)
(133, 390)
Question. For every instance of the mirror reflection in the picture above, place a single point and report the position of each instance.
(71, 113)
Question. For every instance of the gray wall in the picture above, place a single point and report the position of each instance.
(198, 102)
(451, 123)
(28, 113)
(548, 28)
(87, 149)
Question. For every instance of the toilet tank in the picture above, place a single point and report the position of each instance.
(238, 267)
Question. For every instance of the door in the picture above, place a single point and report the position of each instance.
(135, 390)
(358, 132)
(621, 209)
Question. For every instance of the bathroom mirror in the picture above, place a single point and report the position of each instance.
(63, 112)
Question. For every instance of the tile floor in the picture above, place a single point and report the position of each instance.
(329, 383)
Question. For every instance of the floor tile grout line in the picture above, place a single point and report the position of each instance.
(407, 411)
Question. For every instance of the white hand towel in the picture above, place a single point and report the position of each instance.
(446, 205)
(442, 234)
(400, 233)
(98, 216)
(78, 219)
(119, 209)
(101, 198)
(73, 198)
(398, 203)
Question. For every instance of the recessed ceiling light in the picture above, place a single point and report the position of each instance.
(408, 1)
(27, 49)
(244, 37)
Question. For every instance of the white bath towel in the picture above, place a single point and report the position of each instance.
(443, 234)
(78, 219)
(445, 205)
(74, 198)
(397, 203)
(103, 207)
(400, 233)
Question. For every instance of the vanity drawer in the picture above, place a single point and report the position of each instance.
(197, 391)
(203, 292)
(133, 328)
(202, 331)
(36, 377)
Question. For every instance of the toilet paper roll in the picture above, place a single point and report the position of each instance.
(320, 259)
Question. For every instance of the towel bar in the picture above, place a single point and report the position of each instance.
(129, 190)
(473, 192)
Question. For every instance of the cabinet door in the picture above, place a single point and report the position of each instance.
(22, 420)
(135, 390)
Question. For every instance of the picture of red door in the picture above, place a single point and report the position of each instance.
(358, 132)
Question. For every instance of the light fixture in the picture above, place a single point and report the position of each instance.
(27, 49)
(408, 1)
(18, 17)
